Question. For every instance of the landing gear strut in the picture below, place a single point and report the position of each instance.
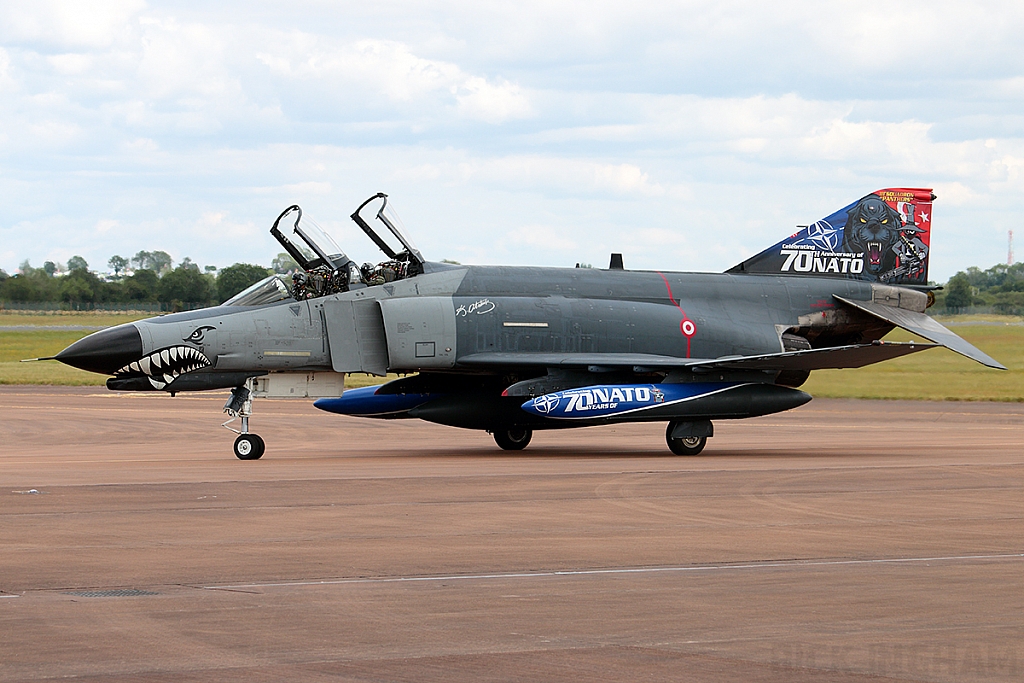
(248, 446)
(513, 438)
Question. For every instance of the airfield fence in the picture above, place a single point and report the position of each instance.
(968, 310)
(105, 307)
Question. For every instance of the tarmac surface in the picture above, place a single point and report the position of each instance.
(843, 541)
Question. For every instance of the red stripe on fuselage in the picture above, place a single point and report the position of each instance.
(682, 323)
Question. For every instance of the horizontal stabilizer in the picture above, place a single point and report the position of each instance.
(924, 326)
(850, 356)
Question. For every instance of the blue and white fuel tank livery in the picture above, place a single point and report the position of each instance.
(371, 402)
(587, 403)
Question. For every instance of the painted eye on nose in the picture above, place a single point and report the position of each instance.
(884, 221)
(863, 221)
(197, 334)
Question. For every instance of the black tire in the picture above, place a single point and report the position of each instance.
(513, 439)
(249, 447)
(686, 445)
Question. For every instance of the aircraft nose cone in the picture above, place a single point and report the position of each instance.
(105, 351)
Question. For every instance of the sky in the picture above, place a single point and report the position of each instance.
(685, 135)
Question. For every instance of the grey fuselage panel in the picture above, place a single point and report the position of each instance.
(432, 320)
(683, 315)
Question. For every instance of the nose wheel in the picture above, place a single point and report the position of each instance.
(248, 446)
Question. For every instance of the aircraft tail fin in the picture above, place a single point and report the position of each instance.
(883, 237)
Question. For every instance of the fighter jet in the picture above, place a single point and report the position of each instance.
(511, 350)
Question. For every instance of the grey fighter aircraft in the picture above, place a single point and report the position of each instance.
(511, 350)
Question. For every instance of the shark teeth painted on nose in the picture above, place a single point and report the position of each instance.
(165, 365)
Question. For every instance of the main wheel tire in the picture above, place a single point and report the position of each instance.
(685, 445)
(514, 439)
(249, 447)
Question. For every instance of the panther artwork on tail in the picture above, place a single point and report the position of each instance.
(890, 240)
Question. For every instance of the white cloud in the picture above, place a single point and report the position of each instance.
(625, 178)
(539, 173)
(104, 226)
(52, 133)
(391, 69)
(183, 60)
(308, 188)
(68, 23)
(493, 103)
(546, 237)
(71, 64)
(216, 222)
(5, 65)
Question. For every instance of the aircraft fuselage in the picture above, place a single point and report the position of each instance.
(445, 318)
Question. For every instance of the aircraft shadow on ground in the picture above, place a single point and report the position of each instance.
(566, 452)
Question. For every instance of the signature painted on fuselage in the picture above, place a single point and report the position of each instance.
(478, 307)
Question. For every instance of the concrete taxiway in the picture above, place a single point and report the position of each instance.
(843, 541)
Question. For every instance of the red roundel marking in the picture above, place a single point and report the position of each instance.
(686, 326)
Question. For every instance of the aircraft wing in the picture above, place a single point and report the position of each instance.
(849, 356)
(924, 326)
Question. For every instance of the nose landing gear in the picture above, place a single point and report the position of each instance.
(248, 446)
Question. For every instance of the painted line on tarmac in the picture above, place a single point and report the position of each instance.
(789, 564)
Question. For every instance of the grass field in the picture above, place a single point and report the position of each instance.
(20, 344)
(937, 375)
(59, 318)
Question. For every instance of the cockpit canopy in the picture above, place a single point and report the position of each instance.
(314, 247)
(269, 290)
(325, 267)
(392, 240)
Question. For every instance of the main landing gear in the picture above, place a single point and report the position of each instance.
(513, 438)
(248, 446)
(688, 437)
(687, 445)
(684, 437)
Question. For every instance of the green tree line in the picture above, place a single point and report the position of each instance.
(152, 280)
(1001, 287)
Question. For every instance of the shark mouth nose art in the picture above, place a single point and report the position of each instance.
(164, 366)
